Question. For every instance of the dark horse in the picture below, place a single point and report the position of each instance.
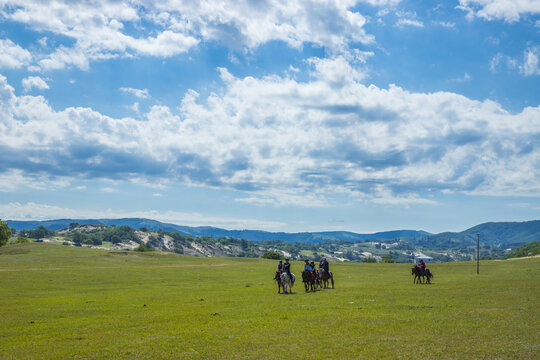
(325, 276)
(277, 278)
(419, 275)
(308, 278)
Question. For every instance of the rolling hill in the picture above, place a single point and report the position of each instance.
(511, 234)
(253, 235)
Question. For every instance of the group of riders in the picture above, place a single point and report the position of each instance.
(308, 266)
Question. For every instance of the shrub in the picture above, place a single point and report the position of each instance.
(369, 260)
(272, 255)
(142, 247)
(20, 240)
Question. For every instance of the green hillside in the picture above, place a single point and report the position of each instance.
(532, 248)
(506, 234)
(68, 302)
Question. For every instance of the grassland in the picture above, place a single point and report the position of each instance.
(65, 302)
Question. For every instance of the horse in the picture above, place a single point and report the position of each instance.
(277, 279)
(419, 275)
(318, 280)
(286, 281)
(325, 276)
(308, 278)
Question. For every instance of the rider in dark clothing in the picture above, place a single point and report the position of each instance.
(287, 268)
(326, 267)
(280, 267)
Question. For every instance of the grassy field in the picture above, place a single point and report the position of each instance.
(65, 302)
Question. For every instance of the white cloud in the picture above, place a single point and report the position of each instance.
(12, 56)
(168, 28)
(134, 107)
(34, 82)
(466, 77)
(530, 63)
(527, 66)
(108, 189)
(285, 141)
(447, 24)
(409, 22)
(509, 10)
(382, 195)
(35, 211)
(141, 94)
(14, 179)
(43, 41)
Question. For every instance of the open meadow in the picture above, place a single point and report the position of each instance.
(66, 302)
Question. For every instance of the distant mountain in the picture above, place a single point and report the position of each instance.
(253, 235)
(510, 234)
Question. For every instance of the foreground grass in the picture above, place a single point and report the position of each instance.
(65, 302)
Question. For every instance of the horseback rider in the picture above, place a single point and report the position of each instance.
(307, 266)
(279, 270)
(326, 266)
(313, 270)
(422, 265)
(280, 267)
(287, 268)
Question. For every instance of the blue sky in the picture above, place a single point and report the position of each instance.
(300, 116)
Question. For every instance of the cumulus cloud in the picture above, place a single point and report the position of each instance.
(509, 10)
(36, 211)
(97, 27)
(168, 28)
(284, 141)
(12, 56)
(530, 63)
(141, 94)
(32, 82)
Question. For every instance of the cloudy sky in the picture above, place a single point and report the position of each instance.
(296, 115)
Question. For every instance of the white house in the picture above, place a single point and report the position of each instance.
(418, 257)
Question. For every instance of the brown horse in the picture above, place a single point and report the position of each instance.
(419, 275)
(308, 278)
(325, 276)
(277, 279)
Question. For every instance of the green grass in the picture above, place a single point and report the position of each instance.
(65, 302)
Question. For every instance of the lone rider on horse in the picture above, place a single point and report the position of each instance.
(422, 265)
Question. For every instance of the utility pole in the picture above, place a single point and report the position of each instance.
(477, 253)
